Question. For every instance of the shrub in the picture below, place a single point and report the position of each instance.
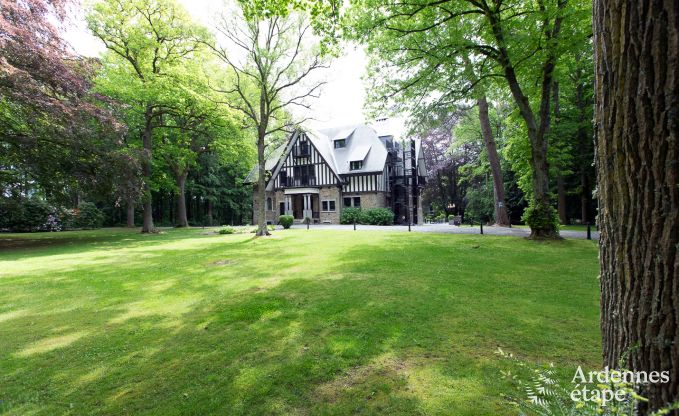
(28, 214)
(286, 221)
(349, 215)
(89, 216)
(271, 227)
(227, 230)
(540, 216)
(377, 216)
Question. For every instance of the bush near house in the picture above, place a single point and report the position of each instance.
(350, 215)
(286, 221)
(377, 216)
(372, 216)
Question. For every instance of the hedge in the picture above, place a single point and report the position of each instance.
(372, 216)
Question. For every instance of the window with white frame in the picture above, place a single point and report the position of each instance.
(328, 205)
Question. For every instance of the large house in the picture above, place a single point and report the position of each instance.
(316, 174)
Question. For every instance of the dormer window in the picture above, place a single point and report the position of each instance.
(340, 143)
(355, 165)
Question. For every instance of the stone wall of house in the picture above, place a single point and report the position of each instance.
(330, 193)
(368, 200)
(373, 200)
(271, 215)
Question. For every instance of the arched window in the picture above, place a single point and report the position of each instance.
(269, 204)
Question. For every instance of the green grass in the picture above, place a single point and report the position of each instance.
(305, 322)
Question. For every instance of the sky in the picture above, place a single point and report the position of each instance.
(340, 101)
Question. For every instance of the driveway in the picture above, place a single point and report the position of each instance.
(448, 229)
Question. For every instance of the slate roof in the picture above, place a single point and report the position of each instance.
(362, 144)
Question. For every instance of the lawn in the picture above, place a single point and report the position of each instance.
(304, 322)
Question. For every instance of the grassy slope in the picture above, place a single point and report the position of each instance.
(327, 322)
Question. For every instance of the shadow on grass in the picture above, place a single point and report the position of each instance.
(297, 324)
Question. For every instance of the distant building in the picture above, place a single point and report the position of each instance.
(316, 174)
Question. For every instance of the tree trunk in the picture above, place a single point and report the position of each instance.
(637, 113)
(147, 141)
(501, 217)
(537, 134)
(262, 229)
(130, 212)
(182, 219)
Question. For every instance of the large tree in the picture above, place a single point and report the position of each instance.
(426, 47)
(55, 135)
(637, 153)
(275, 75)
(148, 43)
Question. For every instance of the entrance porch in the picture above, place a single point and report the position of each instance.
(302, 203)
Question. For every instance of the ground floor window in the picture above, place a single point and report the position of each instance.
(328, 205)
(354, 201)
(269, 204)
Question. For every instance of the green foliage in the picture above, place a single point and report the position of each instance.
(350, 215)
(28, 215)
(227, 230)
(480, 204)
(371, 216)
(286, 221)
(377, 216)
(88, 216)
(540, 216)
(544, 392)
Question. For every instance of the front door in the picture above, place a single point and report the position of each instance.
(281, 210)
(298, 207)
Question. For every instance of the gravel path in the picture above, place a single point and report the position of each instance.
(448, 229)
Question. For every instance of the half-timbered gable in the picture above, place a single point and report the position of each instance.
(304, 166)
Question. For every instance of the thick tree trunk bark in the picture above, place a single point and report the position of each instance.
(147, 141)
(501, 217)
(130, 212)
(262, 229)
(637, 156)
(182, 219)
